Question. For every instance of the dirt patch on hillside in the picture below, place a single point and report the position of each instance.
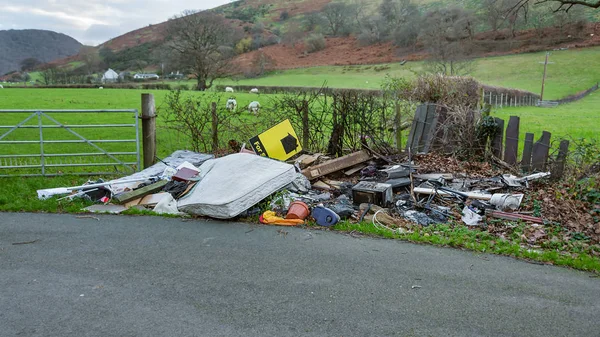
(338, 51)
(345, 51)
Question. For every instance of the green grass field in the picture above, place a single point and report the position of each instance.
(572, 71)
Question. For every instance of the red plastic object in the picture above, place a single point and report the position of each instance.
(297, 210)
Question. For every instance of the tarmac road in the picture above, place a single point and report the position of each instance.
(152, 276)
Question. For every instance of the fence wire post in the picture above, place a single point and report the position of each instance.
(42, 158)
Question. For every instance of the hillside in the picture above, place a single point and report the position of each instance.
(46, 46)
(278, 29)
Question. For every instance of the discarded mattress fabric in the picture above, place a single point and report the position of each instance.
(232, 184)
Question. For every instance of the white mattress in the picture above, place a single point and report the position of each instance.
(234, 183)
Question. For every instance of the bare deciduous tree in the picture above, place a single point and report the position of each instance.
(337, 15)
(561, 5)
(201, 43)
(446, 34)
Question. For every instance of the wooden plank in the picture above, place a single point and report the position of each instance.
(559, 166)
(430, 127)
(419, 124)
(355, 169)
(413, 128)
(541, 148)
(512, 141)
(125, 197)
(527, 150)
(337, 164)
(498, 139)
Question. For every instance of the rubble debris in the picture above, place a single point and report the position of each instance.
(398, 183)
(434, 176)
(505, 202)
(152, 200)
(299, 185)
(380, 216)
(325, 216)
(110, 208)
(372, 193)
(166, 205)
(470, 217)
(342, 206)
(397, 172)
(232, 184)
(355, 169)
(321, 186)
(337, 164)
(419, 217)
(447, 192)
(125, 197)
(513, 216)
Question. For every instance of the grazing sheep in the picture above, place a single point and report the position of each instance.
(253, 107)
(229, 89)
(1, 87)
(101, 88)
(254, 91)
(231, 104)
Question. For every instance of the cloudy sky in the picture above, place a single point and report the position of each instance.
(92, 22)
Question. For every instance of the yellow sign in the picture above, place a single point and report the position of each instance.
(279, 142)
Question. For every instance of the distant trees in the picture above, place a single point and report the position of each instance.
(202, 43)
(336, 15)
(30, 63)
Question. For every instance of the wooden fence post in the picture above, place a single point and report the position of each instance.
(498, 139)
(148, 129)
(512, 140)
(215, 127)
(559, 166)
(541, 149)
(527, 150)
(501, 99)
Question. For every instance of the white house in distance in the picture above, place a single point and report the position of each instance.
(110, 76)
(145, 76)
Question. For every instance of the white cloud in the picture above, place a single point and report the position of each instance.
(93, 21)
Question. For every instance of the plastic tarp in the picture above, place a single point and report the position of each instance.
(232, 184)
(174, 160)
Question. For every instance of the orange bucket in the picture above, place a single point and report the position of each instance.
(297, 210)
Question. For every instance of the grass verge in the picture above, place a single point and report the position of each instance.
(19, 195)
(578, 256)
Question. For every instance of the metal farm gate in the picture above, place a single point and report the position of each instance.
(61, 142)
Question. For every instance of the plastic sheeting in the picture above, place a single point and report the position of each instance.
(174, 160)
(232, 184)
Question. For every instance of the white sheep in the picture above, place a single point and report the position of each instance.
(254, 91)
(231, 104)
(1, 87)
(101, 88)
(253, 107)
(229, 89)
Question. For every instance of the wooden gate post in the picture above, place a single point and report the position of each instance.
(148, 129)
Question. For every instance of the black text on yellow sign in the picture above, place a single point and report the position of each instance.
(279, 142)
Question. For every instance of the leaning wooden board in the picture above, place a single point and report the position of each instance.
(335, 165)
